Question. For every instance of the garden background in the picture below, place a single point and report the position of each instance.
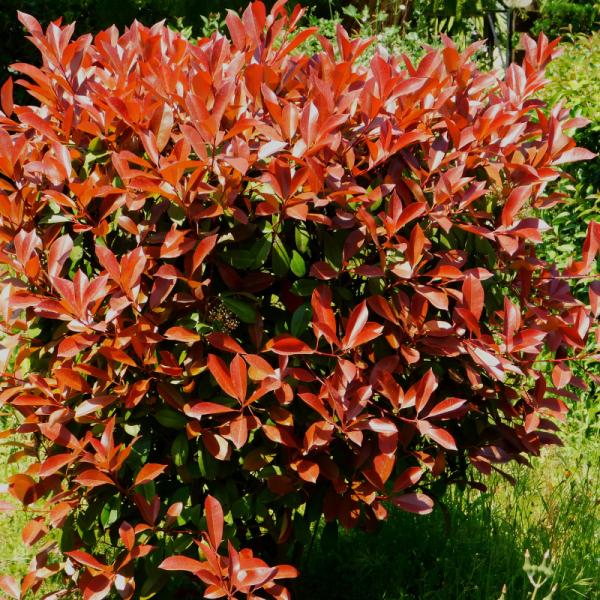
(473, 544)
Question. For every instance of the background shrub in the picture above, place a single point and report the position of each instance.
(248, 289)
(560, 16)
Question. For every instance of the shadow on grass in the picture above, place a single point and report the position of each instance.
(413, 557)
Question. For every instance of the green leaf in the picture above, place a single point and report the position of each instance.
(240, 259)
(301, 319)
(333, 252)
(280, 259)
(376, 286)
(302, 529)
(302, 237)
(96, 145)
(170, 418)
(260, 251)
(180, 449)
(76, 254)
(304, 287)
(66, 534)
(241, 508)
(154, 583)
(176, 213)
(240, 308)
(209, 467)
(111, 511)
(298, 265)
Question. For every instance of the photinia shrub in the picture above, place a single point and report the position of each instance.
(247, 291)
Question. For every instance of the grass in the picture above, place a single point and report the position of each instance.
(14, 556)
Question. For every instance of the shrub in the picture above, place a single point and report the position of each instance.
(559, 16)
(282, 286)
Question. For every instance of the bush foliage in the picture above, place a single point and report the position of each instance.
(277, 286)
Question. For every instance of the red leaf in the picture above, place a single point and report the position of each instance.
(59, 253)
(94, 404)
(86, 559)
(357, 321)
(148, 473)
(149, 511)
(220, 372)
(515, 202)
(323, 271)
(309, 123)
(286, 344)
(473, 295)
(6, 97)
(72, 379)
(9, 586)
(116, 354)
(419, 504)
(161, 124)
(224, 342)
(573, 155)
(308, 470)
(239, 431)
(53, 464)
(445, 407)
(426, 386)
(321, 307)
(98, 588)
(182, 334)
(236, 30)
(34, 531)
(561, 375)
(127, 534)
(594, 293)
(33, 120)
(205, 247)
(442, 437)
(415, 245)
(409, 477)
(214, 519)
(239, 377)
(181, 563)
(382, 308)
(93, 478)
(197, 411)
(436, 297)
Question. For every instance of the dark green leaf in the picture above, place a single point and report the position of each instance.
(240, 308)
(281, 259)
(170, 418)
(301, 319)
(302, 237)
(180, 449)
(305, 287)
(298, 265)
